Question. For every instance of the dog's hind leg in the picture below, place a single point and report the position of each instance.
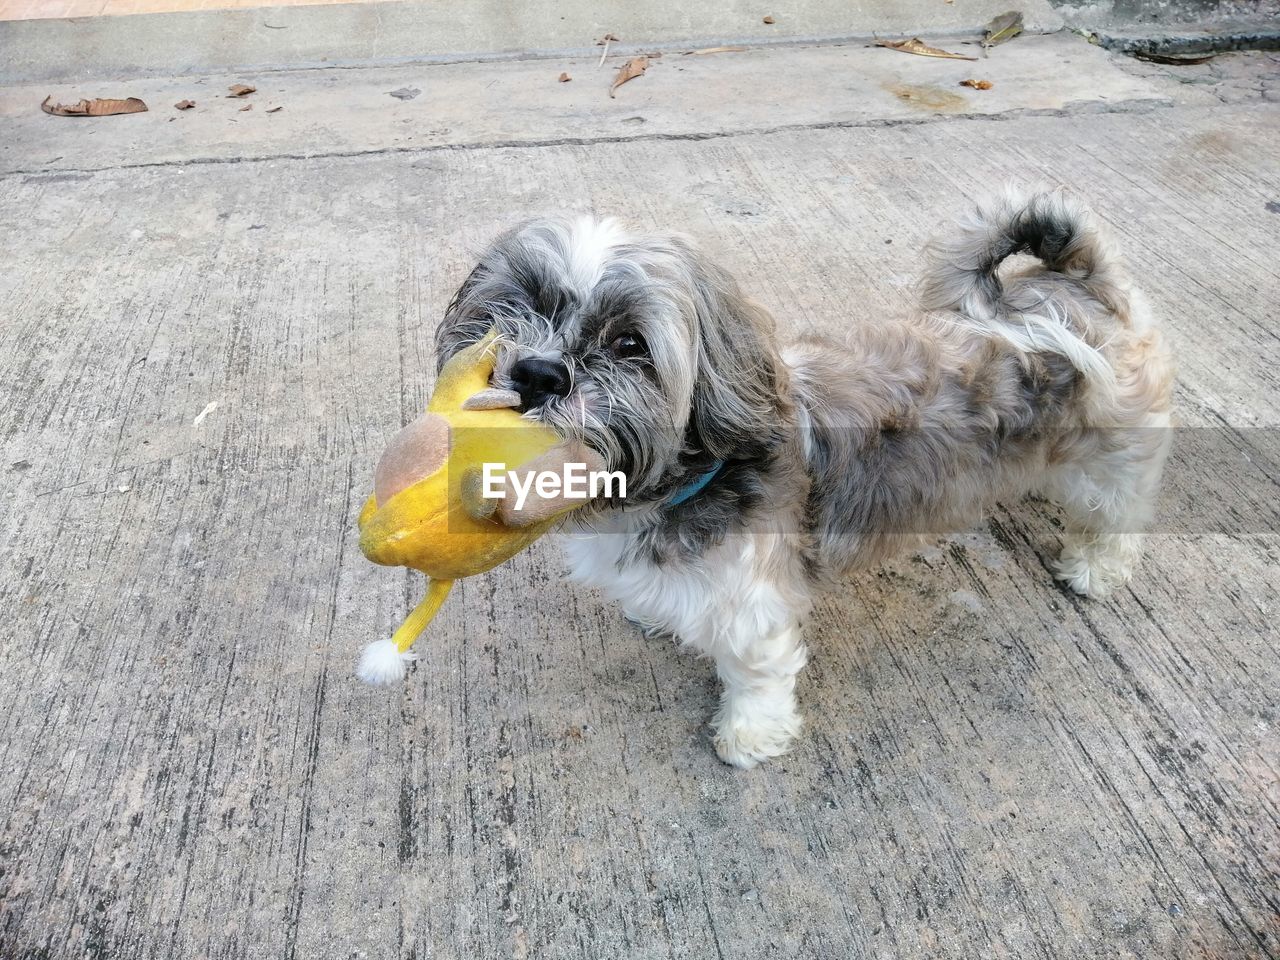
(1109, 499)
(1109, 474)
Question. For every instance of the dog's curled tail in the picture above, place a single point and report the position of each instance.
(1050, 225)
(1059, 230)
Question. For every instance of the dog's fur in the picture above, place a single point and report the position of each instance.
(831, 454)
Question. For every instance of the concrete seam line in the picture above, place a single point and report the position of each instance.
(1139, 105)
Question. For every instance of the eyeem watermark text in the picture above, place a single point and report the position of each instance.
(576, 482)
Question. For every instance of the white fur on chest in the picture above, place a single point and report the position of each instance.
(717, 603)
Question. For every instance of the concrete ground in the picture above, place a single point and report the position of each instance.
(428, 31)
(992, 768)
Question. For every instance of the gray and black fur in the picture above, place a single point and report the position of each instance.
(828, 453)
(901, 428)
(708, 388)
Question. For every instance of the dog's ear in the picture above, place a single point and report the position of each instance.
(739, 389)
(467, 318)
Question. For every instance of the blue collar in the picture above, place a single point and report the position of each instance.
(684, 493)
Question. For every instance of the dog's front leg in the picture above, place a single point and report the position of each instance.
(757, 718)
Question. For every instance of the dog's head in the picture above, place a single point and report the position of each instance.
(637, 346)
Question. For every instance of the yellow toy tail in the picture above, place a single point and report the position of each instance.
(386, 661)
(422, 615)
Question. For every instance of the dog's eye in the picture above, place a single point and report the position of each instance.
(627, 345)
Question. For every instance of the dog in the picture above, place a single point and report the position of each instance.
(757, 473)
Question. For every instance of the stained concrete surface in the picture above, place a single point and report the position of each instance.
(992, 768)
(523, 102)
(424, 30)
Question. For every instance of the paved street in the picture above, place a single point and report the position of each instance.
(992, 768)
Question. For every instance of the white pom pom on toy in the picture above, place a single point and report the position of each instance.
(383, 663)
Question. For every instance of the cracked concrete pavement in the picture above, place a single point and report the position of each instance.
(992, 767)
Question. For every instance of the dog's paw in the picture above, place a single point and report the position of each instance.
(744, 739)
(1097, 565)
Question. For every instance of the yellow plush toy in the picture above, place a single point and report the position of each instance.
(428, 511)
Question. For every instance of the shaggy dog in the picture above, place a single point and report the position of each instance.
(758, 472)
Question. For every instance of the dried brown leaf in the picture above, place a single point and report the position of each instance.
(184, 104)
(977, 84)
(706, 50)
(240, 90)
(1002, 28)
(769, 20)
(921, 49)
(565, 78)
(1174, 61)
(635, 67)
(93, 108)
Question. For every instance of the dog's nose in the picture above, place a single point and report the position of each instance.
(536, 380)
